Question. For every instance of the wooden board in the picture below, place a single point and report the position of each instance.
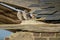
(33, 26)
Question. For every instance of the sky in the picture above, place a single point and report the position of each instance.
(4, 33)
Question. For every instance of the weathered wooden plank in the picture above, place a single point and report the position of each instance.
(8, 20)
(17, 7)
(48, 16)
(33, 27)
(7, 10)
(48, 11)
(10, 15)
(55, 16)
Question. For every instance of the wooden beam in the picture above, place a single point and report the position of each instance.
(8, 20)
(18, 7)
(33, 27)
(8, 10)
(10, 15)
